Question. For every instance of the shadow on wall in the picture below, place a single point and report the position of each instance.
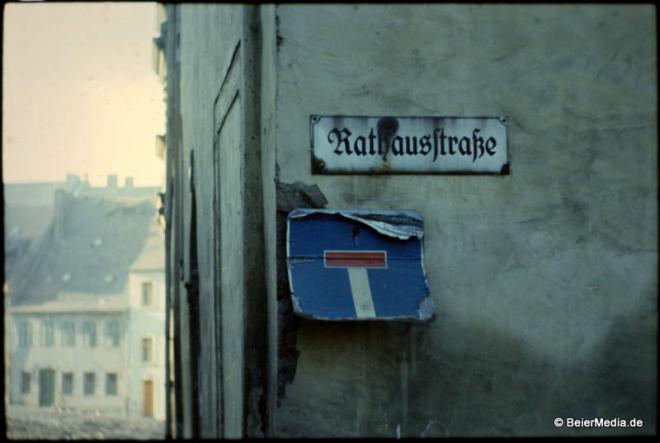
(289, 197)
(625, 368)
(409, 380)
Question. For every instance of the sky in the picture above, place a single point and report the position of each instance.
(80, 94)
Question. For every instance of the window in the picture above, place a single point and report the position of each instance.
(24, 334)
(111, 384)
(47, 333)
(89, 334)
(112, 333)
(68, 334)
(147, 349)
(25, 382)
(147, 293)
(89, 383)
(67, 383)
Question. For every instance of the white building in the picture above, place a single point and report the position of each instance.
(146, 326)
(87, 311)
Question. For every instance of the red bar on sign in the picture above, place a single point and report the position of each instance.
(355, 259)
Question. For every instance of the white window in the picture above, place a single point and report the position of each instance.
(89, 385)
(67, 383)
(25, 382)
(111, 383)
(112, 333)
(89, 334)
(24, 334)
(68, 334)
(47, 334)
(147, 293)
(147, 349)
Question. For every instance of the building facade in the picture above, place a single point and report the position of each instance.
(86, 315)
(544, 278)
(67, 358)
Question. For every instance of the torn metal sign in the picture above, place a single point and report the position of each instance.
(408, 145)
(353, 264)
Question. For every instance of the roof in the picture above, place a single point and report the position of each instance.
(88, 249)
(27, 221)
(152, 256)
(37, 194)
(28, 208)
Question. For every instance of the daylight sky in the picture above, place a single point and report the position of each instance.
(80, 94)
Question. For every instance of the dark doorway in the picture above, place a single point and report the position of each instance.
(46, 387)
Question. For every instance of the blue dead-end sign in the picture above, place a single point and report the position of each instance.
(352, 264)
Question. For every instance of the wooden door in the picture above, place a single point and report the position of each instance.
(148, 397)
(46, 387)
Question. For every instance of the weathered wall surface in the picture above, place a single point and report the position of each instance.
(268, 116)
(209, 35)
(220, 164)
(545, 280)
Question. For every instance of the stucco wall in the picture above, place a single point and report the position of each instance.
(545, 280)
(209, 35)
(219, 86)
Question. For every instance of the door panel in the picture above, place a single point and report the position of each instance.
(46, 387)
(148, 397)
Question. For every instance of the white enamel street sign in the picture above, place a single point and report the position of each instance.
(408, 145)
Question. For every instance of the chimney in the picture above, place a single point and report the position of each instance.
(112, 181)
(128, 183)
(72, 181)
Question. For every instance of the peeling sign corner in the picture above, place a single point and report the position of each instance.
(396, 224)
(426, 308)
(297, 308)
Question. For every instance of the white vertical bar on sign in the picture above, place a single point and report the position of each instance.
(364, 304)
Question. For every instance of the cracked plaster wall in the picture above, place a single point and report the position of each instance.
(545, 280)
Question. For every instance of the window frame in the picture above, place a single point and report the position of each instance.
(26, 382)
(151, 347)
(47, 333)
(113, 333)
(108, 376)
(90, 338)
(151, 294)
(68, 335)
(24, 333)
(71, 385)
(89, 376)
